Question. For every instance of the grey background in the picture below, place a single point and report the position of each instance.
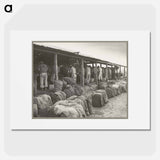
(80, 17)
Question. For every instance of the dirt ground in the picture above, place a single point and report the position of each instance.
(115, 108)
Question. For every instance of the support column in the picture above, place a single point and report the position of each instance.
(110, 72)
(117, 72)
(82, 73)
(107, 72)
(120, 71)
(96, 74)
(124, 71)
(55, 67)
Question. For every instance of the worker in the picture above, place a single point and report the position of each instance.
(110, 73)
(95, 71)
(103, 73)
(78, 71)
(113, 72)
(106, 74)
(73, 73)
(64, 71)
(92, 73)
(99, 73)
(43, 71)
(88, 73)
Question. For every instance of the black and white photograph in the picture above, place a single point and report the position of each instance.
(80, 79)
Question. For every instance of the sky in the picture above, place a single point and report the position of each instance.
(115, 52)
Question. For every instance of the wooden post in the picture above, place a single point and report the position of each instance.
(117, 72)
(107, 76)
(55, 67)
(120, 72)
(109, 72)
(124, 71)
(113, 73)
(82, 73)
(96, 74)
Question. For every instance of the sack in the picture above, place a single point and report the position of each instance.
(82, 100)
(110, 92)
(57, 96)
(58, 85)
(67, 108)
(105, 97)
(69, 80)
(72, 97)
(78, 90)
(51, 87)
(123, 87)
(43, 101)
(99, 98)
(69, 91)
(116, 88)
(102, 85)
(93, 87)
(64, 84)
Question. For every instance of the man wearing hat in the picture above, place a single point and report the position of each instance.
(43, 71)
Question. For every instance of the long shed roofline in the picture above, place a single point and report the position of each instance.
(72, 54)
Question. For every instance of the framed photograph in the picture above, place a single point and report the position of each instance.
(80, 80)
(69, 84)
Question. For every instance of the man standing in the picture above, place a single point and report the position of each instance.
(113, 72)
(95, 71)
(88, 73)
(106, 74)
(99, 73)
(73, 73)
(43, 69)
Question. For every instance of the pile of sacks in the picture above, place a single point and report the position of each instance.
(67, 108)
(71, 88)
(69, 80)
(67, 86)
(123, 86)
(78, 90)
(57, 96)
(84, 101)
(69, 91)
(110, 92)
(113, 88)
(99, 98)
(73, 107)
